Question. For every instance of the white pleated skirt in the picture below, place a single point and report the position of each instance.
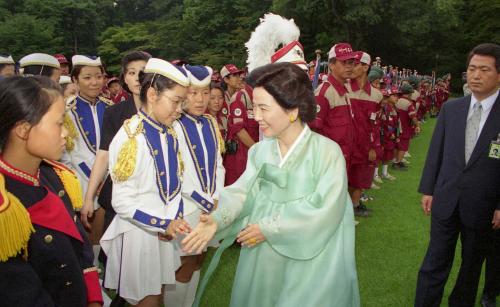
(138, 263)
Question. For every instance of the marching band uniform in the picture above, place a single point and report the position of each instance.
(84, 123)
(45, 256)
(200, 146)
(146, 168)
(41, 59)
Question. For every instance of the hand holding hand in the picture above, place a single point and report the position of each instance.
(198, 239)
(175, 227)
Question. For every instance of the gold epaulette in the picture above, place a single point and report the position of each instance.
(125, 164)
(72, 133)
(107, 101)
(15, 225)
(220, 139)
(70, 102)
(70, 182)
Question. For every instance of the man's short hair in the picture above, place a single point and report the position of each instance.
(486, 49)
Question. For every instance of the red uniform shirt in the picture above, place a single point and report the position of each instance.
(240, 117)
(365, 104)
(335, 118)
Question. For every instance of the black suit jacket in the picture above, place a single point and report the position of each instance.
(473, 187)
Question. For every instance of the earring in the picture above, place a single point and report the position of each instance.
(292, 118)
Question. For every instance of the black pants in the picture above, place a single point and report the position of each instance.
(492, 280)
(434, 272)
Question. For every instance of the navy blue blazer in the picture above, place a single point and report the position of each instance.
(473, 187)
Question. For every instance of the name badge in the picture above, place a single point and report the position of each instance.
(250, 114)
(494, 150)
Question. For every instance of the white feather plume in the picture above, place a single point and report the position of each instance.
(272, 31)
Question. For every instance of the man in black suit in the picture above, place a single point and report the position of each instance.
(461, 184)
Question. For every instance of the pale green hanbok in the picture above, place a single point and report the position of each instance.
(303, 208)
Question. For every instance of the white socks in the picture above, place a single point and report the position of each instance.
(183, 294)
(375, 174)
(384, 169)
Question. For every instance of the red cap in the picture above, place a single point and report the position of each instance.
(229, 69)
(362, 57)
(341, 51)
(61, 58)
(114, 79)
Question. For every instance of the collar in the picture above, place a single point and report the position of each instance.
(355, 86)
(193, 118)
(341, 89)
(156, 125)
(487, 103)
(88, 101)
(294, 145)
(19, 175)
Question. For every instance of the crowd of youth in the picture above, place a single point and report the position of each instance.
(165, 133)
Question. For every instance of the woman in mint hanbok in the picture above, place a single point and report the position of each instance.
(290, 210)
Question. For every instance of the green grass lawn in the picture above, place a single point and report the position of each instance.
(390, 245)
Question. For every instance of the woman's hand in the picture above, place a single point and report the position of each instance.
(175, 227)
(87, 212)
(250, 236)
(198, 239)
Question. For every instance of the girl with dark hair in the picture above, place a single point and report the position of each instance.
(146, 169)
(114, 117)
(41, 64)
(84, 122)
(7, 66)
(201, 146)
(290, 209)
(215, 107)
(45, 256)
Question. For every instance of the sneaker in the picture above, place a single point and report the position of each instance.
(356, 223)
(403, 166)
(405, 161)
(389, 177)
(407, 155)
(374, 186)
(361, 211)
(364, 207)
(377, 179)
(365, 197)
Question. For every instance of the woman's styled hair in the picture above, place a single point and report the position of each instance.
(39, 70)
(129, 58)
(77, 69)
(24, 99)
(159, 82)
(289, 85)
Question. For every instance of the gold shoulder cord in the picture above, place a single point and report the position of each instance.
(15, 225)
(72, 186)
(72, 133)
(125, 164)
(220, 139)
